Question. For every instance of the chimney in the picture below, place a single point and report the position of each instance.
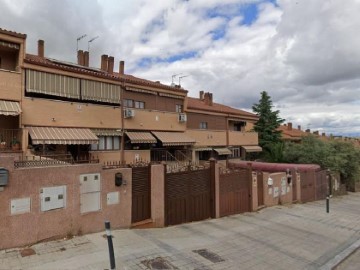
(80, 57)
(121, 67)
(201, 95)
(316, 132)
(104, 62)
(206, 98)
(111, 65)
(41, 48)
(289, 126)
(86, 59)
(299, 127)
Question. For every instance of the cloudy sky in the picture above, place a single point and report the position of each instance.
(304, 53)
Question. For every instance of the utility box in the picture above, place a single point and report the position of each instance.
(4, 177)
(53, 198)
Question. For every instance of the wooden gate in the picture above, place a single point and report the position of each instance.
(141, 197)
(314, 185)
(234, 192)
(307, 186)
(189, 196)
(260, 189)
(322, 183)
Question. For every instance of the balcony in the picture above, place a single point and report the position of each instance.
(243, 138)
(10, 140)
(10, 85)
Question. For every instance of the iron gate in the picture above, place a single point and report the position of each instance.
(141, 196)
(189, 196)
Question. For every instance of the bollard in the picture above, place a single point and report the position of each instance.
(327, 204)
(110, 244)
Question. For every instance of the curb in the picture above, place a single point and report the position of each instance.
(341, 256)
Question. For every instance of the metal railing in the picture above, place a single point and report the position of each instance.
(49, 160)
(183, 155)
(162, 155)
(8, 137)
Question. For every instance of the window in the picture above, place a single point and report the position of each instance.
(139, 104)
(236, 153)
(240, 126)
(203, 125)
(107, 143)
(179, 108)
(128, 103)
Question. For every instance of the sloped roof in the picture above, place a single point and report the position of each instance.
(72, 67)
(291, 134)
(12, 33)
(198, 104)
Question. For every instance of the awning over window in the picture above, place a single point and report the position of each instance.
(106, 132)
(52, 135)
(223, 151)
(251, 148)
(173, 138)
(141, 137)
(9, 108)
(200, 149)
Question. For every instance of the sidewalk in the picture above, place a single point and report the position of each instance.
(301, 236)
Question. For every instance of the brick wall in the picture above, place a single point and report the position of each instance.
(36, 225)
(279, 192)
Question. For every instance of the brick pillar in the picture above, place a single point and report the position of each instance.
(298, 186)
(158, 194)
(254, 192)
(253, 189)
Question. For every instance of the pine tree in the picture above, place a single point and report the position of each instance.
(268, 122)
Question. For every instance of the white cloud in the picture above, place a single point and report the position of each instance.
(304, 53)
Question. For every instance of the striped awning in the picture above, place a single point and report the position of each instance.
(9, 108)
(252, 148)
(55, 135)
(174, 138)
(223, 151)
(106, 132)
(10, 45)
(200, 149)
(141, 137)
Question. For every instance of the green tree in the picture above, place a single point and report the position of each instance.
(338, 156)
(267, 124)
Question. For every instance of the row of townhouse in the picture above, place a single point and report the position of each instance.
(55, 108)
(295, 135)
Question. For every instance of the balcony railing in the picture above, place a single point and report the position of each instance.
(8, 138)
(49, 160)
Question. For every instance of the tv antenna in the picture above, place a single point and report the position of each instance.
(91, 40)
(77, 41)
(173, 77)
(180, 77)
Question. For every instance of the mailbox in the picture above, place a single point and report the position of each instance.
(4, 176)
(118, 179)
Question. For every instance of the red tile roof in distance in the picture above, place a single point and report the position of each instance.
(72, 67)
(197, 104)
(293, 133)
